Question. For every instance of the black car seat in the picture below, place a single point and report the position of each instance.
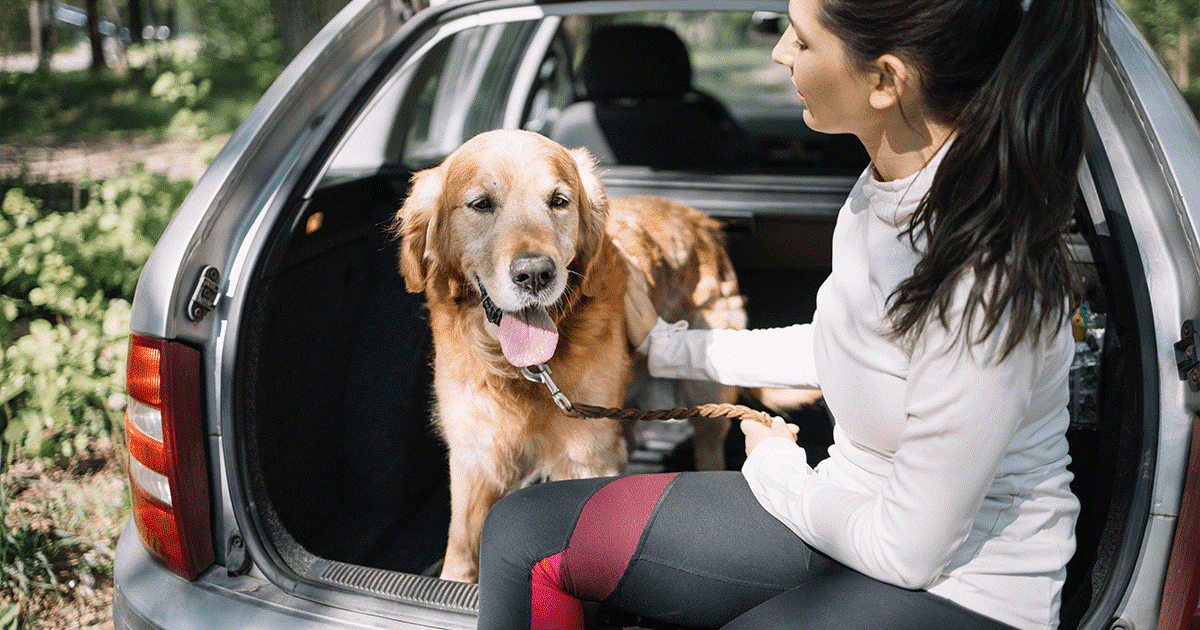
(638, 105)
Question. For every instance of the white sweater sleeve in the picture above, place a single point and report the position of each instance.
(963, 409)
(767, 357)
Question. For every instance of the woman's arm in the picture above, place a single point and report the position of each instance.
(776, 357)
(765, 357)
(963, 409)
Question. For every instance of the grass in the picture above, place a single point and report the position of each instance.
(59, 529)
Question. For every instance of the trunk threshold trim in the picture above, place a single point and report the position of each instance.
(407, 587)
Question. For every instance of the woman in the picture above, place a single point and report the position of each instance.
(941, 343)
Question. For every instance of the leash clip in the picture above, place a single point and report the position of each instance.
(541, 374)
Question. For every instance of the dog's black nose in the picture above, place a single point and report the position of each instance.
(532, 272)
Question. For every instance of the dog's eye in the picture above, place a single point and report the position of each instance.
(559, 201)
(483, 204)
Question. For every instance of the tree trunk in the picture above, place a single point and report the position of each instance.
(137, 21)
(291, 18)
(42, 31)
(114, 16)
(152, 10)
(97, 41)
(1185, 56)
(170, 18)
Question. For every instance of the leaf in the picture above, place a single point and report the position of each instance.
(9, 619)
(10, 389)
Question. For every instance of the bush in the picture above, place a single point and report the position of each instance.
(66, 283)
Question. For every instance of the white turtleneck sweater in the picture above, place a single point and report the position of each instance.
(948, 467)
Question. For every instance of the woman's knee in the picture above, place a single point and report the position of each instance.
(534, 522)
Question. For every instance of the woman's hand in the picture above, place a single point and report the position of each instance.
(756, 432)
(640, 315)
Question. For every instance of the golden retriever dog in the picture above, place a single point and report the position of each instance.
(524, 262)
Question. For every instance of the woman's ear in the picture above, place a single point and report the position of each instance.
(416, 224)
(890, 81)
(593, 217)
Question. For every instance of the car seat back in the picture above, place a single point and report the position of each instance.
(639, 107)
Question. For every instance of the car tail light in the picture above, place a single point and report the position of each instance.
(167, 469)
(1181, 593)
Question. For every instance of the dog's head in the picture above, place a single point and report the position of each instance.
(510, 214)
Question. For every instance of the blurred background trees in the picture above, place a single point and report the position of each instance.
(42, 26)
(251, 40)
(1171, 28)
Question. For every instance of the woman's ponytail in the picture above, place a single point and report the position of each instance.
(1012, 84)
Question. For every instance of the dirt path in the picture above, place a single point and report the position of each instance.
(179, 159)
(78, 58)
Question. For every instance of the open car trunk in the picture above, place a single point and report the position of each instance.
(340, 388)
(348, 479)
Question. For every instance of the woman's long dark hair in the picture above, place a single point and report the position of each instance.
(1012, 84)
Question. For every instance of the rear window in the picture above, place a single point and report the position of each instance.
(524, 74)
(730, 52)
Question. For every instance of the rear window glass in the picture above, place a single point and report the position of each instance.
(730, 51)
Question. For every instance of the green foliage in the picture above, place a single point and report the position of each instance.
(240, 43)
(66, 282)
(175, 89)
(26, 557)
(9, 619)
(1192, 96)
(71, 105)
(1172, 28)
(199, 85)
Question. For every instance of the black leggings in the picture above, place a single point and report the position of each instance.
(691, 549)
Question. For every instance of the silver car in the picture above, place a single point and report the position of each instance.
(284, 472)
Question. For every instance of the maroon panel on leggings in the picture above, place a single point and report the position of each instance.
(608, 532)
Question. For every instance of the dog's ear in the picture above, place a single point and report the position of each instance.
(593, 215)
(417, 224)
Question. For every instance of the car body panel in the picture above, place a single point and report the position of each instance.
(1167, 218)
(1152, 143)
(254, 157)
(152, 597)
(1151, 140)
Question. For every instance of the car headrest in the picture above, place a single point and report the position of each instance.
(635, 61)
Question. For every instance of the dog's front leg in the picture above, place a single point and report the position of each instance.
(472, 495)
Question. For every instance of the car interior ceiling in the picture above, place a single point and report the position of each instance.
(344, 452)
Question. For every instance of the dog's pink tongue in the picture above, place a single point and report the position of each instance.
(528, 338)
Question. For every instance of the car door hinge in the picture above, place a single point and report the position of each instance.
(206, 294)
(1186, 358)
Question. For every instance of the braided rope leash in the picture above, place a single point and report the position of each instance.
(541, 374)
(713, 410)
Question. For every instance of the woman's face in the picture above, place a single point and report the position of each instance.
(835, 94)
